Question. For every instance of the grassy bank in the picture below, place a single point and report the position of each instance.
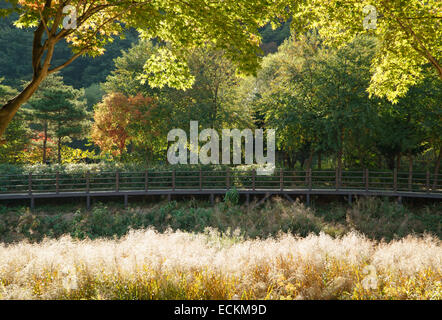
(375, 218)
(374, 249)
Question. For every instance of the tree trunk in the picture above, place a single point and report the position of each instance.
(215, 108)
(308, 164)
(8, 111)
(59, 150)
(319, 160)
(40, 69)
(398, 161)
(147, 157)
(339, 163)
(436, 169)
(292, 160)
(390, 161)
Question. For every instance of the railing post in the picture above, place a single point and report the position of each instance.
(117, 181)
(57, 183)
(146, 180)
(310, 179)
(395, 179)
(201, 179)
(30, 183)
(253, 179)
(281, 179)
(227, 178)
(428, 181)
(173, 180)
(410, 179)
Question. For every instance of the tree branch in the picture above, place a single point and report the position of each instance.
(423, 49)
(68, 62)
(44, 22)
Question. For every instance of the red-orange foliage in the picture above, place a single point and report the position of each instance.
(111, 130)
(33, 153)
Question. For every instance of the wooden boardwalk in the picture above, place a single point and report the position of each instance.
(285, 183)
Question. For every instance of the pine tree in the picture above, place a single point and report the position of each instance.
(59, 111)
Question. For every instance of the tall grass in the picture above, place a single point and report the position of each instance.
(377, 219)
(146, 264)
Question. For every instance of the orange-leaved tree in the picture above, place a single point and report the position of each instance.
(121, 120)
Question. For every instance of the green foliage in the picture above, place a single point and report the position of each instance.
(212, 99)
(232, 197)
(375, 218)
(17, 135)
(165, 68)
(93, 95)
(408, 34)
(124, 78)
(72, 155)
(274, 36)
(180, 25)
(312, 93)
(316, 99)
(59, 111)
(16, 47)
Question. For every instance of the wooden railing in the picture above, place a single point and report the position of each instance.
(280, 180)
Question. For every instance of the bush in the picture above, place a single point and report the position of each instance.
(375, 218)
(232, 197)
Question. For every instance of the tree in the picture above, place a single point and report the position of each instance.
(148, 127)
(16, 47)
(214, 78)
(60, 112)
(408, 34)
(422, 106)
(285, 87)
(230, 25)
(272, 37)
(122, 121)
(129, 66)
(212, 99)
(316, 98)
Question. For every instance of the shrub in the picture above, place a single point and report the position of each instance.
(374, 218)
(232, 197)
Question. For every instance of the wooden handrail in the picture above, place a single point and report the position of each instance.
(280, 181)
